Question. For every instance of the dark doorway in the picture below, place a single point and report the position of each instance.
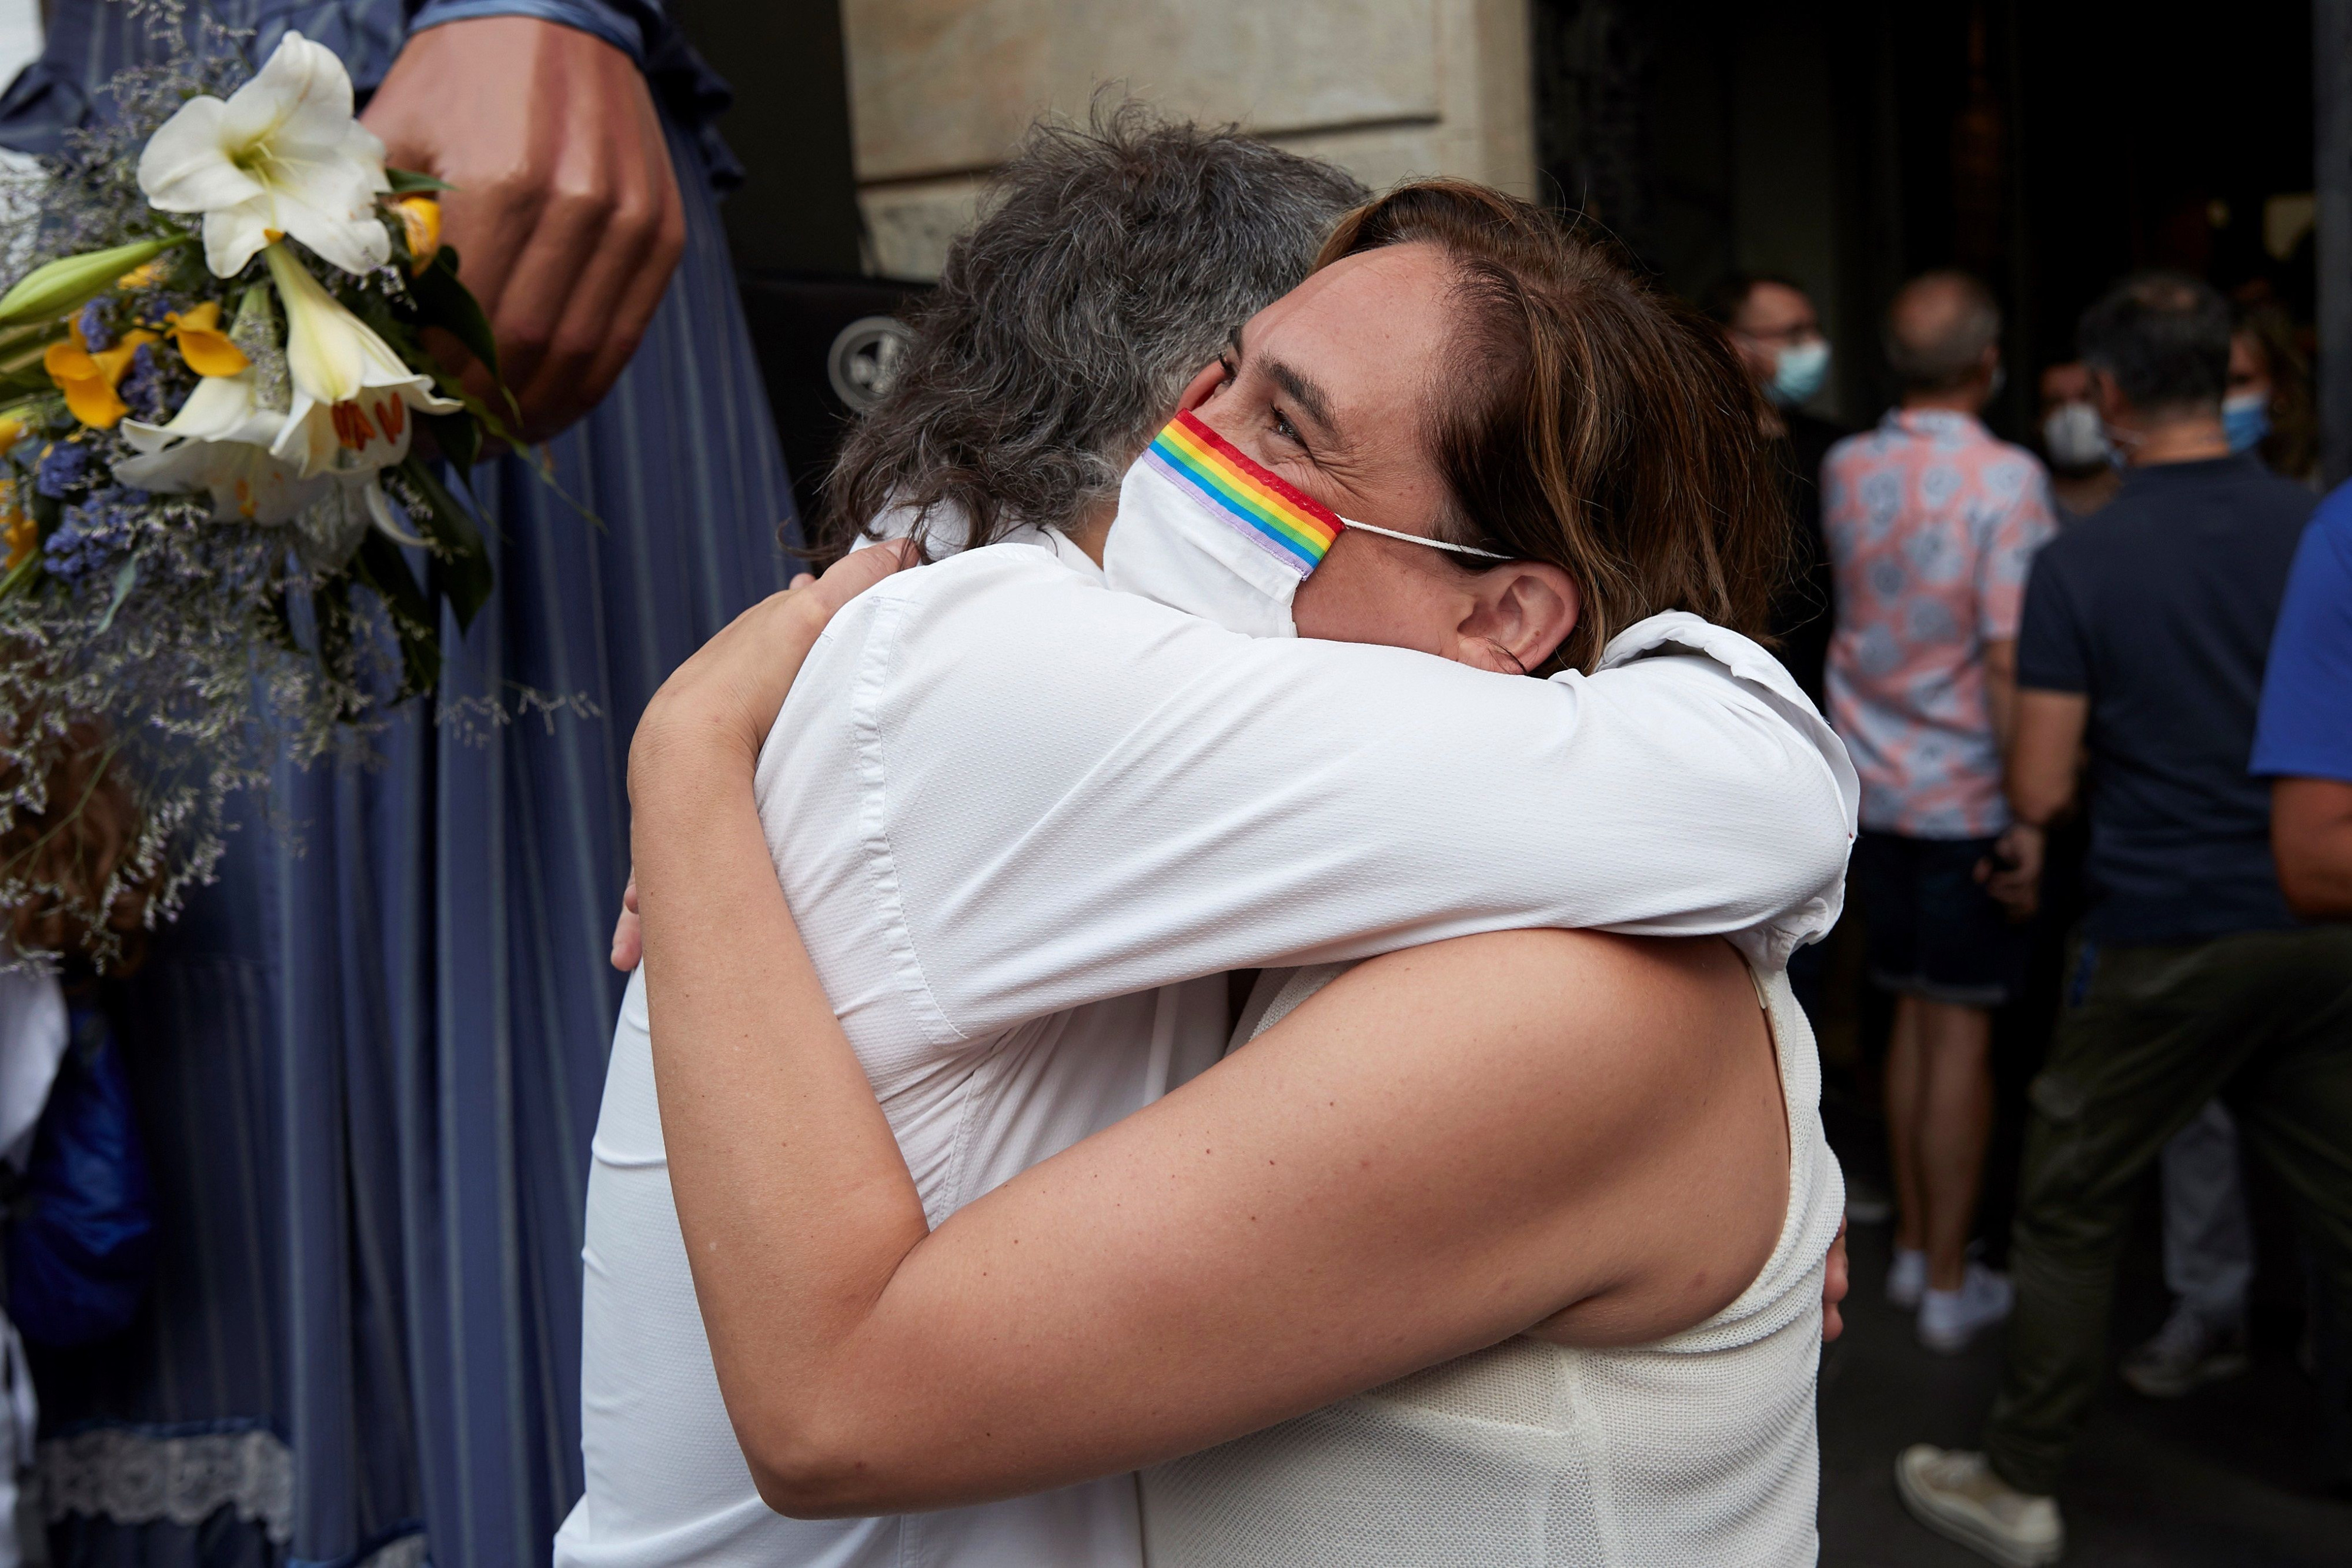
(2051, 148)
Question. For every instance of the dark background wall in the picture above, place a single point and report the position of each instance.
(795, 225)
(789, 126)
(2049, 147)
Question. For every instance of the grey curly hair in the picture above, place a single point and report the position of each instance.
(1109, 264)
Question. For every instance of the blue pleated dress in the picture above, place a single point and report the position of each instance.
(368, 1061)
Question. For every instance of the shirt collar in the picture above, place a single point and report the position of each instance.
(1933, 422)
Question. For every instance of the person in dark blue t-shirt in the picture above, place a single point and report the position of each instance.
(2143, 642)
(2303, 742)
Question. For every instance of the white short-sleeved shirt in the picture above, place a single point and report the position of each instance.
(1025, 824)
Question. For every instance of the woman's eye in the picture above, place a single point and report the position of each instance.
(1282, 428)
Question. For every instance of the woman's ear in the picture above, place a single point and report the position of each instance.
(1520, 615)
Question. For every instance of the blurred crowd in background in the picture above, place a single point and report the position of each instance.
(2099, 692)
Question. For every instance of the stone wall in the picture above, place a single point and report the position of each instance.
(940, 89)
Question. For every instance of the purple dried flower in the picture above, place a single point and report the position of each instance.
(64, 466)
(90, 533)
(97, 331)
(143, 385)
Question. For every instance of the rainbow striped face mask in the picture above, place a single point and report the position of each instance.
(1205, 529)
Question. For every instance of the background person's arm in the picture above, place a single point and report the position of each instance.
(2303, 738)
(566, 216)
(2311, 840)
(2040, 777)
(2000, 690)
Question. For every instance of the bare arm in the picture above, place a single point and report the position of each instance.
(1446, 1147)
(2045, 754)
(2043, 738)
(2000, 690)
(2311, 839)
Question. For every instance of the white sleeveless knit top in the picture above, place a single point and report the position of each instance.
(1700, 1449)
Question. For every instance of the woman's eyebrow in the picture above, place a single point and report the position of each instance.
(1298, 387)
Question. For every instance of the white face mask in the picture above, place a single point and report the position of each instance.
(1205, 529)
(2074, 436)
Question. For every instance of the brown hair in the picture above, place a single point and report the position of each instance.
(70, 852)
(1617, 437)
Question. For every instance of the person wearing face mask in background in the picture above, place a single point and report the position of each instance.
(1774, 328)
(2082, 472)
(2268, 408)
(2208, 1236)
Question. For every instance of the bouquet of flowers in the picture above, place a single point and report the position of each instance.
(213, 381)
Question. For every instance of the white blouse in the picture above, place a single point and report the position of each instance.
(1025, 824)
(1702, 1449)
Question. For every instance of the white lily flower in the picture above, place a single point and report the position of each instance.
(351, 393)
(219, 442)
(282, 156)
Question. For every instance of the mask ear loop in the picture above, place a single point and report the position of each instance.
(1421, 539)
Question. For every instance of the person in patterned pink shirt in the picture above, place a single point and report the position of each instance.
(1931, 523)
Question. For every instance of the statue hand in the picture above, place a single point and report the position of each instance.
(566, 215)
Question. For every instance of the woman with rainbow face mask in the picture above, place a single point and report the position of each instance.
(1568, 1188)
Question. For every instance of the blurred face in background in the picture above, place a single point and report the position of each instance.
(2071, 431)
(1778, 336)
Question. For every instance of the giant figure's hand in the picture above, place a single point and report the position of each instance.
(566, 217)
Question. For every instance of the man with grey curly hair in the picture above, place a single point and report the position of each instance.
(1107, 267)
(1109, 264)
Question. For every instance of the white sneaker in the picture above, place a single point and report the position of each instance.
(1956, 1495)
(1907, 1278)
(1948, 1320)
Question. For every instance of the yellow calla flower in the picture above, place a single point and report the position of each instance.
(420, 218)
(144, 276)
(202, 343)
(21, 533)
(12, 431)
(88, 378)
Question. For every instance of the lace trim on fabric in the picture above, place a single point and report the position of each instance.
(128, 1475)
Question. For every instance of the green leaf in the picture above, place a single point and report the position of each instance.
(461, 565)
(21, 574)
(460, 438)
(65, 285)
(442, 301)
(380, 566)
(408, 181)
(124, 578)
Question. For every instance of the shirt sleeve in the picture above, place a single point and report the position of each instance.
(2051, 656)
(2019, 531)
(2305, 731)
(629, 25)
(1064, 794)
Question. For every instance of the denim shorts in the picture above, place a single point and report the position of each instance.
(1930, 930)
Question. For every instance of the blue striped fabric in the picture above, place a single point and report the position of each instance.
(369, 1059)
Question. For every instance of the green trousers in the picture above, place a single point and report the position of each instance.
(2150, 1034)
